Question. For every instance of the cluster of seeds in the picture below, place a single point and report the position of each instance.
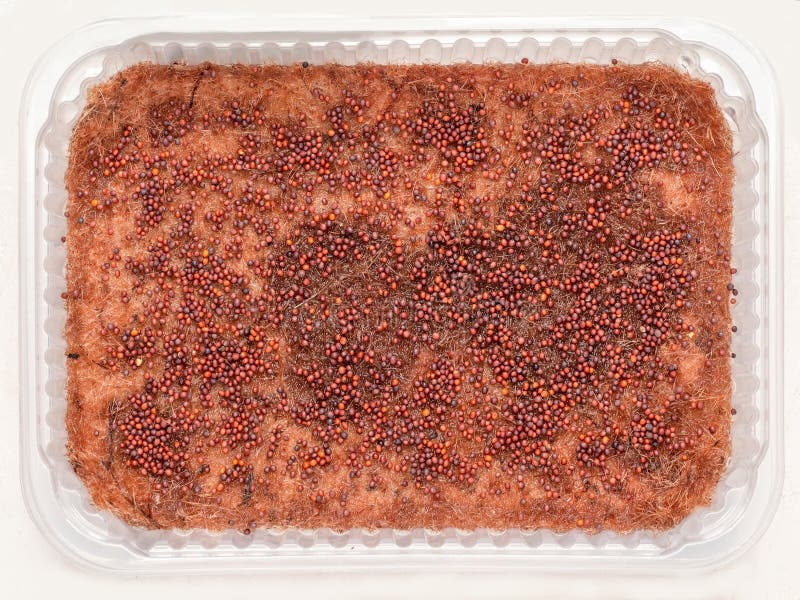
(464, 280)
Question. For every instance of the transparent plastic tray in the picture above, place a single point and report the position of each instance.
(746, 497)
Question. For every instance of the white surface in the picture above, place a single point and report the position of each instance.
(28, 564)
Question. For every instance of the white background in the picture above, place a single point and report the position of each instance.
(29, 567)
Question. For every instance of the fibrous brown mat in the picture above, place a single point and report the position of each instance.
(399, 296)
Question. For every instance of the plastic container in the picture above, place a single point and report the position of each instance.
(748, 493)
